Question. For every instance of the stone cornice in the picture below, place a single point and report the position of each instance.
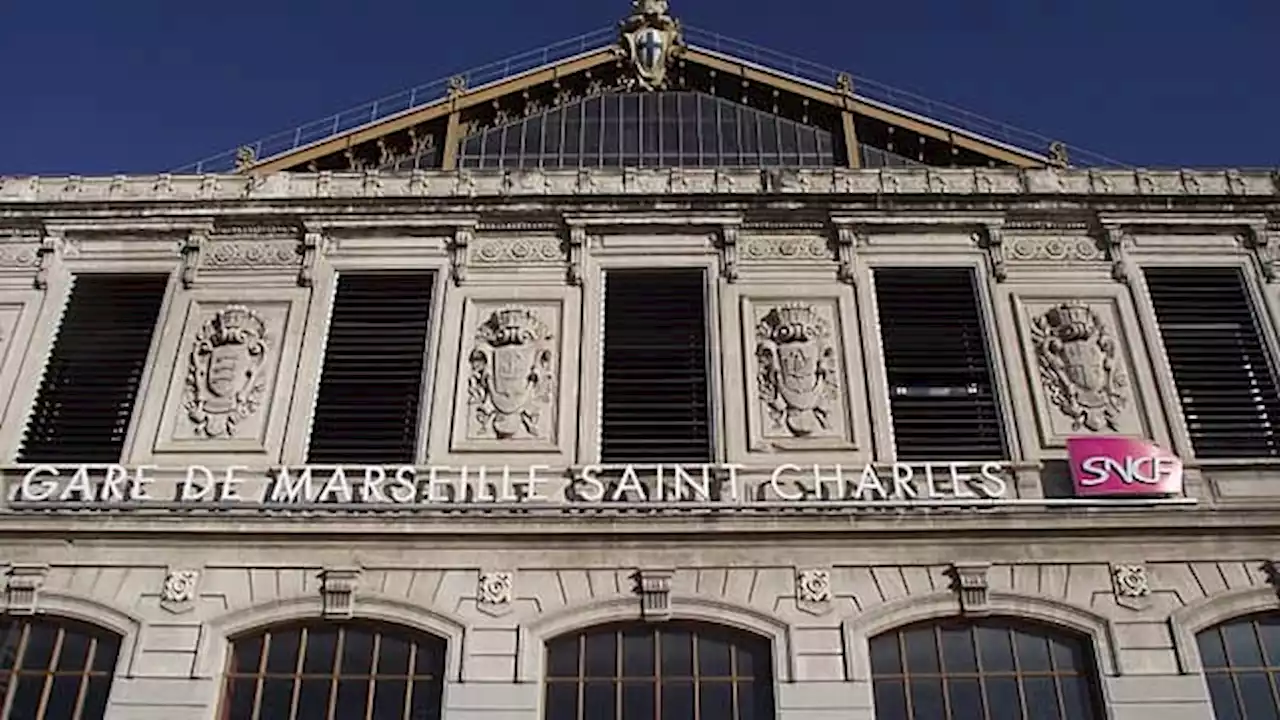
(649, 182)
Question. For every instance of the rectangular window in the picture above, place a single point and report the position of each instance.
(941, 391)
(1220, 366)
(655, 367)
(86, 399)
(371, 385)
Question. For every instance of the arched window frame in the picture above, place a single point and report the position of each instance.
(1187, 622)
(92, 612)
(215, 645)
(534, 636)
(937, 606)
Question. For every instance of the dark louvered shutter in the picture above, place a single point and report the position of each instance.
(938, 367)
(655, 367)
(86, 400)
(1222, 371)
(371, 385)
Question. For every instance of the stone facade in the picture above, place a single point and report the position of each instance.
(253, 264)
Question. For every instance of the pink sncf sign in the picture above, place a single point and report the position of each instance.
(1122, 466)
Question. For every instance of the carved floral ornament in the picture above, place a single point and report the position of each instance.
(1080, 366)
(179, 586)
(796, 370)
(223, 383)
(512, 382)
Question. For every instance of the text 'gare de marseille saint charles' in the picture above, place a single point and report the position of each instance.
(412, 485)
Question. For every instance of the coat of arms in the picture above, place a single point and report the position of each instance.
(223, 387)
(796, 370)
(1079, 366)
(511, 379)
(650, 39)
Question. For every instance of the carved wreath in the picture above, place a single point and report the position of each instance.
(223, 387)
(511, 381)
(1079, 366)
(796, 369)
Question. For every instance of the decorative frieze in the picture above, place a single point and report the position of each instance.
(516, 251)
(971, 585)
(797, 372)
(659, 181)
(256, 254)
(224, 384)
(337, 592)
(1081, 368)
(511, 387)
(22, 588)
(774, 248)
(178, 593)
(654, 588)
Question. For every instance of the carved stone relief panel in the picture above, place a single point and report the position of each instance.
(509, 382)
(228, 366)
(797, 389)
(1079, 366)
(511, 386)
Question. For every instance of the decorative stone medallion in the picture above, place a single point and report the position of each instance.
(813, 590)
(496, 592)
(223, 385)
(796, 371)
(1080, 367)
(512, 380)
(178, 593)
(1132, 589)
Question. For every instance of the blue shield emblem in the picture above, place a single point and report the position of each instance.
(650, 48)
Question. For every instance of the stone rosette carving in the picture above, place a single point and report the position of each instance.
(19, 255)
(785, 248)
(813, 586)
(178, 592)
(512, 380)
(252, 254)
(223, 384)
(1080, 366)
(517, 251)
(1055, 249)
(1131, 586)
(495, 592)
(796, 371)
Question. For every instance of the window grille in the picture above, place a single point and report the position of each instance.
(371, 386)
(655, 405)
(1241, 660)
(941, 390)
(669, 671)
(55, 669)
(987, 669)
(1220, 366)
(86, 399)
(353, 670)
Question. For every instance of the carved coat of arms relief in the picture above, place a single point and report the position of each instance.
(223, 376)
(1080, 366)
(512, 380)
(650, 39)
(797, 372)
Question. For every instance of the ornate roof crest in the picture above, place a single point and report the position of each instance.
(649, 40)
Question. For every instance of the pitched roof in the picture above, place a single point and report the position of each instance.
(433, 119)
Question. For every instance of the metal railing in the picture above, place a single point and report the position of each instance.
(382, 108)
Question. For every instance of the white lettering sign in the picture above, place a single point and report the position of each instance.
(451, 485)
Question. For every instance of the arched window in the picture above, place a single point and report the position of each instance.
(662, 671)
(55, 669)
(1241, 659)
(986, 669)
(354, 670)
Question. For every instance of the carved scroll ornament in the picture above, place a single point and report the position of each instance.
(223, 383)
(512, 382)
(1079, 366)
(796, 370)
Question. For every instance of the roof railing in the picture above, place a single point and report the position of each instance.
(372, 112)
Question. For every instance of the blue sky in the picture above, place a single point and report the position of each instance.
(136, 86)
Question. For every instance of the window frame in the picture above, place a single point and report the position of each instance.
(63, 622)
(624, 255)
